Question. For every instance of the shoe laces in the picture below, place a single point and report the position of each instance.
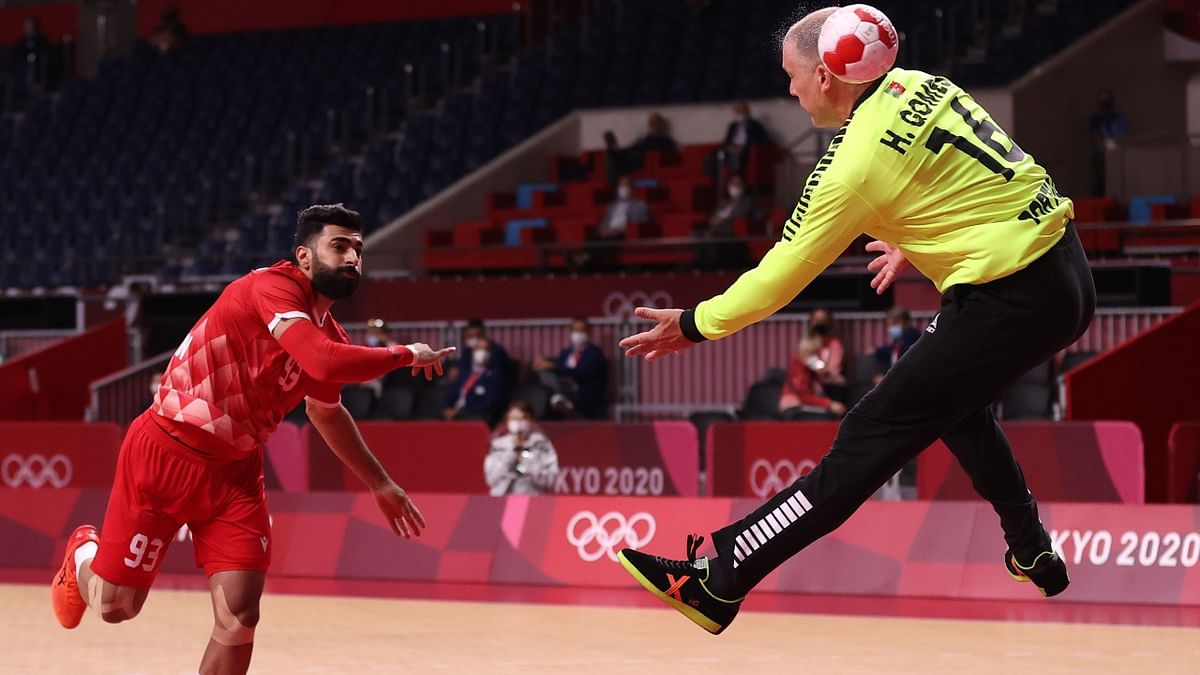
(693, 545)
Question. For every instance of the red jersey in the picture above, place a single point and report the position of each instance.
(231, 378)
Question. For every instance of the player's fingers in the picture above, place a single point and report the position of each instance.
(416, 513)
(396, 527)
(649, 313)
(876, 246)
(444, 352)
(429, 373)
(412, 524)
(638, 349)
(437, 368)
(634, 340)
(876, 263)
(415, 371)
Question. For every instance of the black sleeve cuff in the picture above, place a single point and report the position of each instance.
(687, 324)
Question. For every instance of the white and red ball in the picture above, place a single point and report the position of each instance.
(858, 44)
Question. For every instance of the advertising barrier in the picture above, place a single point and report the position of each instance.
(643, 460)
(1117, 553)
(1062, 461)
(56, 455)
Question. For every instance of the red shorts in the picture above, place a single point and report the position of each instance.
(161, 485)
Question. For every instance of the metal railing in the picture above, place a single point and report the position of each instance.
(14, 343)
(714, 377)
(122, 396)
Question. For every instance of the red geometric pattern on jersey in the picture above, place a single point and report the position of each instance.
(230, 377)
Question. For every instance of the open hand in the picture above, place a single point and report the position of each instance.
(887, 266)
(664, 338)
(399, 510)
(428, 359)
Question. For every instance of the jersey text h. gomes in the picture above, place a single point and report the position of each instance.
(919, 165)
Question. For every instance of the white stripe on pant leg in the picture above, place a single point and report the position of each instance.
(740, 546)
(762, 539)
(737, 554)
(796, 505)
(777, 524)
(787, 512)
(804, 500)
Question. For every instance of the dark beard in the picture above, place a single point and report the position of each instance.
(329, 282)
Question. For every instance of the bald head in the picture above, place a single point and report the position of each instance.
(804, 34)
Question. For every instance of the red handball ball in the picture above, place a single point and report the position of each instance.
(858, 44)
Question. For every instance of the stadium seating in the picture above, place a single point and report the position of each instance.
(130, 171)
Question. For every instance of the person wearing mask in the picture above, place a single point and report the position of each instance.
(521, 461)
(802, 392)
(377, 336)
(831, 355)
(625, 208)
(578, 378)
(901, 336)
(476, 395)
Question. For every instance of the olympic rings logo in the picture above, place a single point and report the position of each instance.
(35, 470)
(596, 537)
(618, 304)
(766, 479)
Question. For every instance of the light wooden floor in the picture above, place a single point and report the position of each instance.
(307, 634)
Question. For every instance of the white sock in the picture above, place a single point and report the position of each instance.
(84, 554)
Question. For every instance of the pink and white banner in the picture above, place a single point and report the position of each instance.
(1117, 553)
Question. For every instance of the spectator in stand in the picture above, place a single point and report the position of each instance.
(625, 208)
(901, 336)
(830, 354)
(736, 203)
(472, 334)
(803, 393)
(1107, 127)
(578, 378)
(478, 392)
(623, 161)
(521, 461)
(32, 51)
(742, 133)
(170, 34)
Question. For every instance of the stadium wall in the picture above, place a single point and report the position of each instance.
(1053, 104)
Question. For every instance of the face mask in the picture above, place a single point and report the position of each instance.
(480, 357)
(894, 332)
(624, 192)
(373, 341)
(735, 192)
(331, 282)
(579, 338)
(470, 342)
(518, 427)
(820, 328)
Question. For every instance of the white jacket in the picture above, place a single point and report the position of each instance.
(527, 470)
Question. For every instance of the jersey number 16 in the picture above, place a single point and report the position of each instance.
(987, 133)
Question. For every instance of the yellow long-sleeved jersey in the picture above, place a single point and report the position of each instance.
(919, 165)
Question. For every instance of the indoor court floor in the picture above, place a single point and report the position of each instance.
(575, 633)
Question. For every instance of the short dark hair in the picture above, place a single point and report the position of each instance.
(475, 323)
(312, 220)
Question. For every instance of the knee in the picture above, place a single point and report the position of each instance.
(236, 621)
(247, 616)
(118, 614)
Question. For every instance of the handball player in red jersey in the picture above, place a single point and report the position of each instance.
(195, 456)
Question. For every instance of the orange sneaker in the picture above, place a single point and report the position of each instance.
(65, 595)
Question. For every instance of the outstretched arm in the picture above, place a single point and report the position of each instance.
(331, 361)
(337, 427)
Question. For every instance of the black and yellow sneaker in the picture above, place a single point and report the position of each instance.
(682, 584)
(1047, 571)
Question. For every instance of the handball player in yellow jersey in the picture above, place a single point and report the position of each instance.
(919, 166)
